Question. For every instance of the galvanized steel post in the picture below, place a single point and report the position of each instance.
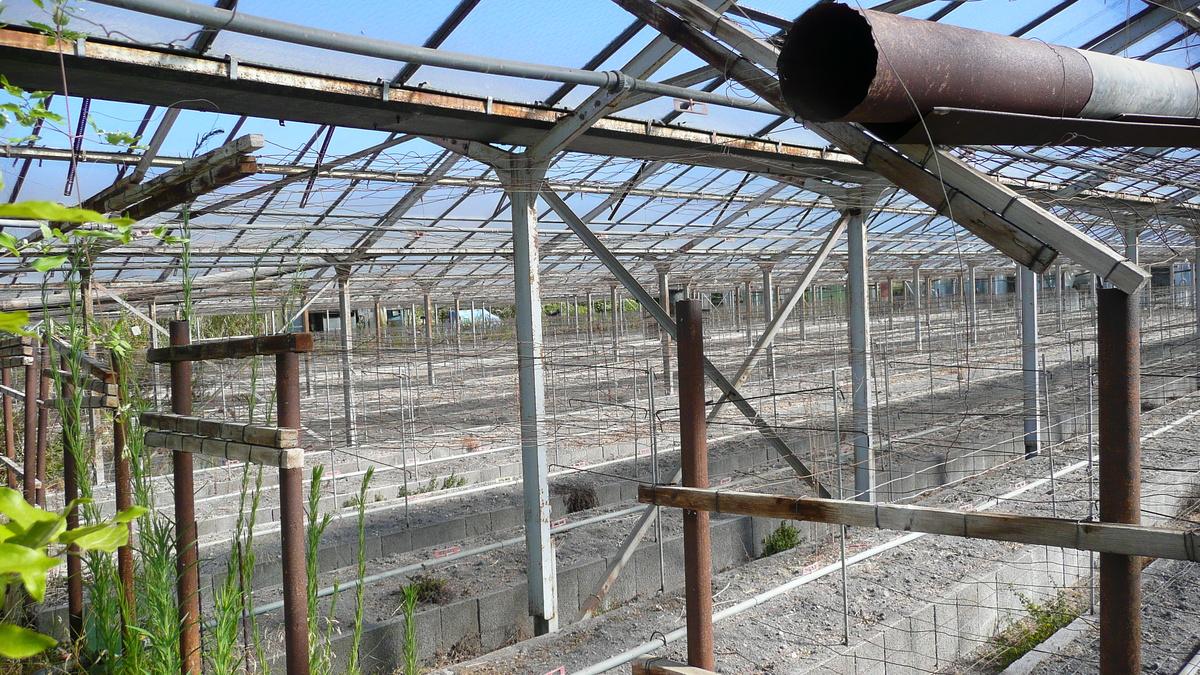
(916, 298)
(542, 571)
(291, 505)
(1119, 364)
(693, 450)
(351, 413)
(430, 317)
(1029, 361)
(769, 314)
(664, 301)
(860, 357)
(187, 561)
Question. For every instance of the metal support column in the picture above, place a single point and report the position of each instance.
(693, 449)
(187, 559)
(457, 323)
(1058, 295)
(343, 280)
(430, 317)
(1029, 361)
(1118, 351)
(33, 382)
(664, 301)
(591, 305)
(916, 298)
(613, 321)
(291, 506)
(972, 308)
(542, 573)
(860, 357)
(769, 314)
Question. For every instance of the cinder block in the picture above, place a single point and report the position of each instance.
(459, 620)
(503, 519)
(477, 524)
(395, 542)
(568, 594)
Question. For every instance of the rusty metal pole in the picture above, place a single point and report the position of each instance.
(1117, 321)
(697, 555)
(10, 444)
(124, 490)
(187, 559)
(43, 427)
(291, 504)
(33, 381)
(71, 452)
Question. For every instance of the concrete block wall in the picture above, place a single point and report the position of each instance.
(499, 617)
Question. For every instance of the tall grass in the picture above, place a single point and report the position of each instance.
(320, 658)
(352, 665)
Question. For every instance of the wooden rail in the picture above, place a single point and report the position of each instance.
(233, 348)
(289, 458)
(252, 434)
(1136, 540)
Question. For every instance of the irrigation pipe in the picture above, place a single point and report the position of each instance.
(664, 640)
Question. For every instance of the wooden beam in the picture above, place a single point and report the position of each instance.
(290, 458)
(233, 348)
(666, 667)
(252, 434)
(1086, 536)
(123, 194)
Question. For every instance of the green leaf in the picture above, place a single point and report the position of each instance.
(13, 505)
(130, 514)
(103, 537)
(14, 322)
(28, 563)
(49, 262)
(20, 643)
(50, 211)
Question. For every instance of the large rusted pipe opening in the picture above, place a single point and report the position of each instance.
(842, 63)
(830, 61)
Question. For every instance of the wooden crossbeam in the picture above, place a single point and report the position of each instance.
(15, 361)
(252, 434)
(233, 348)
(15, 340)
(96, 369)
(125, 193)
(1086, 536)
(290, 458)
(88, 402)
(93, 385)
(12, 466)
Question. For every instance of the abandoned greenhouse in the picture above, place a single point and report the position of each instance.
(672, 337)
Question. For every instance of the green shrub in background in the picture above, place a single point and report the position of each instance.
(784, 538)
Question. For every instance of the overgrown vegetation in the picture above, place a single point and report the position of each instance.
(434, 485)
(785, 538)
(1043, 620)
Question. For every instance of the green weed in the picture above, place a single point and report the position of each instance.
(784, 538)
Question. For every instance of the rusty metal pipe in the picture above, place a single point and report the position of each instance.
(839, 63)
(291, 504)
(1118, 377)
(43, 427)
(188, 557)
(693, 452)
(71, 451)
(32, 385)
(124, 490)
(10, 445)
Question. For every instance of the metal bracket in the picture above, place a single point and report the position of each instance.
(595, 107)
